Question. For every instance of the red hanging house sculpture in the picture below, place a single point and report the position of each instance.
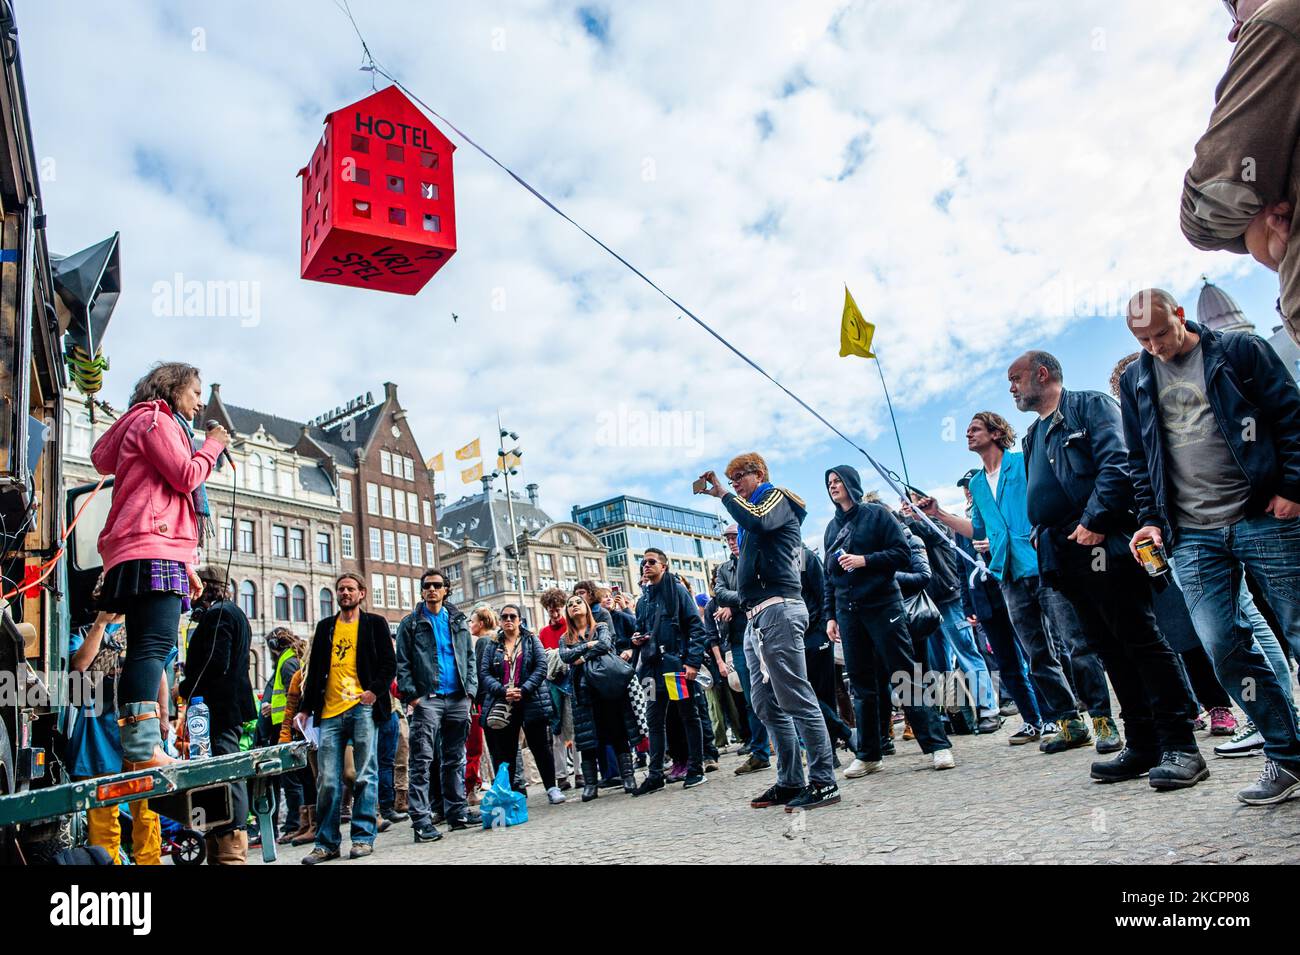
(378, 209)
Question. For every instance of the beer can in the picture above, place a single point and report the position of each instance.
(1152, 557)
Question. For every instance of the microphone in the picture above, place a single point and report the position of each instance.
(225, 452)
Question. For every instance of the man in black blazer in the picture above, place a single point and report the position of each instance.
(346, 693)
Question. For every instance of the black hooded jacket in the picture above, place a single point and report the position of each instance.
(870, 531)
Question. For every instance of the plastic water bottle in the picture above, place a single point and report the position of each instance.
(198, 722)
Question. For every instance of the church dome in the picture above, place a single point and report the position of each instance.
(1219, 312)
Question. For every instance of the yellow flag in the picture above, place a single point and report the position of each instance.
(855, 331)
(470, 475)
(469, 452)
(509, 461)
(435, 463)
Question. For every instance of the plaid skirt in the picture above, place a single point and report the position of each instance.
(131, 578)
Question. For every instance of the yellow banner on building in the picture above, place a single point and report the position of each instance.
(470, 475)
(469, 452)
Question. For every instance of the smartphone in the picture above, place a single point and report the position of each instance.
(699, 486)
(615, 590)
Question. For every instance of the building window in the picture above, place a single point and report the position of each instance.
(326, 603)
(408, 469)
(377, 590)
(372, 498)
(570, 564)
(253, 472)
(593, 568)
(385, 462)
(399, 506)
(279, 541)
(386, 501)
(281, 602)
(248, 599)
(345, 497)
(300, 604)
(390, 547)
(286, 483)
(376, 549)
(247, 542)
(413, 506)
(454, 572)
(430, 558)
(324, 551)
(227, 534)
(544, 564)
(428, 514)
(405, 585)
(297, 544)
(390, 590)
(403, 551)
(345, 541)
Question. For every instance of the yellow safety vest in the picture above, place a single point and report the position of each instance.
(279, 692)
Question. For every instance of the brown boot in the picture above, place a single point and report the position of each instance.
(307, 836)
(400, 801)
(141, 739)
(232, 848)
(288, 837)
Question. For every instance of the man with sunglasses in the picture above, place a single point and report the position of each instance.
(436, 681)
(1240, 193)
(768, 578)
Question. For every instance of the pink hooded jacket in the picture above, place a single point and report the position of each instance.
(154, 470)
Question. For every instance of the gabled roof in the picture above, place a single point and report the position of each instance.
(485, 519)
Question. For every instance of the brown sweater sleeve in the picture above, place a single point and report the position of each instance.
(292, 697)
(1244, 160)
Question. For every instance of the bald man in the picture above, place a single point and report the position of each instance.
(1212, 423)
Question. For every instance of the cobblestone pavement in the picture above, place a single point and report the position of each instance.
(1001, 804)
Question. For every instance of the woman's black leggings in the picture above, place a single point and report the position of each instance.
(504, 746)
(152, 625)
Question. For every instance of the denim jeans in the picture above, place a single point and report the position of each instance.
(445, 718)
(783, 698)
(357, 726)
(1012, 670)
(759, 747)
(1055, 696)
(1079, 660)
(1266, 640)
(954, 638)
(387, 734)
(1208, 565)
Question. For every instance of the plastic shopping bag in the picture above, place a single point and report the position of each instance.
(501, 805)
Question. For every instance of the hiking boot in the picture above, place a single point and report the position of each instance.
(1178, 770)
(360, 850)
(862, 767)
(1275, 784)
(752, 765)
(651, 784)
(1222, 722)
(814, 796)
(1107, 733)
(1248, 742)
(943, 759)
(775, 795)
(1072, 734)
(1028, 733)
(1129, 764)
(319, 855)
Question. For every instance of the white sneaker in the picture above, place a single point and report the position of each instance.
(860, 767)
(1248, 742)
(943, 759)
(555, 796)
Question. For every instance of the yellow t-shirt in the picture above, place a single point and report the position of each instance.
(342, 691)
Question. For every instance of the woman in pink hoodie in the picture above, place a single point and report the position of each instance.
(150, 542)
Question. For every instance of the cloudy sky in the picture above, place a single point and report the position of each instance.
(985, 178)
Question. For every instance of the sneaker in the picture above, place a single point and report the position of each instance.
(1202, 721)
(1178, 770)
(1009, 708)
(752, 765)
(1248, 742)
(775, 795)
(887, 747)
(988, 724)
(393, 816)
(426, 834)
(1107, 734)
(1072, 733)
(1028, 733)
(693, 780)
(384, 824)
(319, 855)
(1276, 784)
(651, 784)
(677, 773)
(1222, 722)
(360, 850)
(814, 796)
(1129, 764)
(743, 751)
(471, 818)
(710, 765)
(862, 767)
(943, 759)
(553, 796)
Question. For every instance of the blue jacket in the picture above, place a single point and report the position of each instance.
(1256, 404)
(1004, 520)
(417, 654)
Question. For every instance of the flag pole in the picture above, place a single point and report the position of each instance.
(889, 404)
